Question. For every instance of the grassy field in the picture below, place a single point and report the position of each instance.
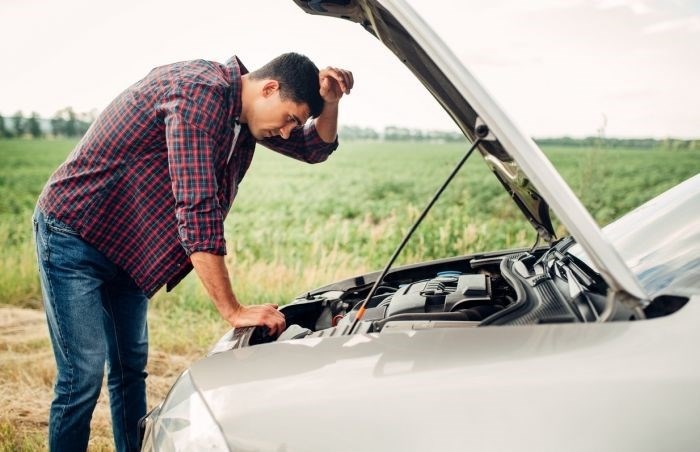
(294, 226)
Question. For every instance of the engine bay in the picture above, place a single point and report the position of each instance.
(528, 287)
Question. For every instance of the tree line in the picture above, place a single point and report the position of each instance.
(394, 133)
(64, 123)
(67, 123)
(671, 144)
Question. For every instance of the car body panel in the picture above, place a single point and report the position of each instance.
(660, 240)
(515, 159)
(604, 386)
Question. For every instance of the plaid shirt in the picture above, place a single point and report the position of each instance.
(154, 177)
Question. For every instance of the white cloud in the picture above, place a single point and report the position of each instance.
(686, 24)
(636, 6)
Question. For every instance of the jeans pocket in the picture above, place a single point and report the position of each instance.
(41, 239)
(37, 239)
(54, 225)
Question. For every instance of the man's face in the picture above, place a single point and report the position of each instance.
(271, 116)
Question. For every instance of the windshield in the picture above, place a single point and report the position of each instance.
(660, 241)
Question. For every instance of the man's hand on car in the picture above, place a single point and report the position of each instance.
(264, 314)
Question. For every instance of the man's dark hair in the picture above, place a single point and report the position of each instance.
(298, 79)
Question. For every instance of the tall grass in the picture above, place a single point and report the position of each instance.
(25, 165)
(14, 440)
(295, 226)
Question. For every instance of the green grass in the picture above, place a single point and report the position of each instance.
(25, 165)
(295, 226)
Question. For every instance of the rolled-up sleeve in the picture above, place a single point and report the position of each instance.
(200, 219)
(303, 144)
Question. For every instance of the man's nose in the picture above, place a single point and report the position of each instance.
(286, 131)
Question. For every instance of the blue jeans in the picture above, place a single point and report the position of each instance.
(96, 314)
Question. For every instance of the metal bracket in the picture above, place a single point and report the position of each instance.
(483, 131)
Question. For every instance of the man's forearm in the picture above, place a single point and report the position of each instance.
(327, 122)
(213, 273)
(212, 270)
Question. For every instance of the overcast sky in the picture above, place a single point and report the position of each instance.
(558, 67)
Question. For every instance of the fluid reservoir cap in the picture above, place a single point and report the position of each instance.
(449, 273)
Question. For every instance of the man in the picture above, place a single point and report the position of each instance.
(141, 201)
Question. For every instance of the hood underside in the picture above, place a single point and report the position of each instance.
(381, 23)
(517, 162)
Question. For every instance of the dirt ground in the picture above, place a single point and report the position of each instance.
(27, 370)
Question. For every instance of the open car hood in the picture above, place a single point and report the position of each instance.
(514, 158)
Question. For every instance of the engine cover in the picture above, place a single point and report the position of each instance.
(445, 293)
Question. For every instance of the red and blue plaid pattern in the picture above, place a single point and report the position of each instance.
(149, 183)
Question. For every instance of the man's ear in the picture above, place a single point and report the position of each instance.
(270, 87)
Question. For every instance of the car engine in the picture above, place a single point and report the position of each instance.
(500, 289)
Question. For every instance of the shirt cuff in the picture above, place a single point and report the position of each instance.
(213, 246)
(312, 133)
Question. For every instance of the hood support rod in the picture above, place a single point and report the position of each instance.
(481, 132)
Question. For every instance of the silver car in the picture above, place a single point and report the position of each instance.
(586, 342)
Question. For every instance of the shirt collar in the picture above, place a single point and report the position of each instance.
(237, 69)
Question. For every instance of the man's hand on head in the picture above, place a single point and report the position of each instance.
(334, 83)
